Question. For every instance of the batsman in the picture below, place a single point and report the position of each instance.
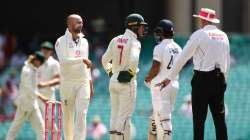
(163, 101)
(121, 63)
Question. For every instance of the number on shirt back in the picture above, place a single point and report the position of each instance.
(121, 52)
(170, 64)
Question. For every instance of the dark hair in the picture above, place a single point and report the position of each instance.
(168, 34)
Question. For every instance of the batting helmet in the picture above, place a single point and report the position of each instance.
(165, 27)
(133, 22)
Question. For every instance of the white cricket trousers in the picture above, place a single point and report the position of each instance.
(35, 118)
(163, 104)
(123, 98)
(75, 98)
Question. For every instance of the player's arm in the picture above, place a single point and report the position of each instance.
(185, 55)
(134, 57)
(228, 60)
(87, 61)
(42, 98)
(53, 82)
(155, 68)
(107, 58)
(181, 59)
(26, 79)
(55, 79)
(151, 136)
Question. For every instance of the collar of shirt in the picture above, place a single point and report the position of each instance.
(166, 41)
(208, 27)
(130, 33)
(50, 58)
(47, 61)
(29, 64)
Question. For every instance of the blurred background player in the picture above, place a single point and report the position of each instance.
(120, 61)
(97, 129)
(186, 107)
(163, 101)
(72, 51)
(48, 77)
(27, 105)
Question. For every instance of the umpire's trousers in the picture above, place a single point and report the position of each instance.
(208, 89)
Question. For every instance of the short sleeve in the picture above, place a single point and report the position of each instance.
(157, 54)
(56, 68)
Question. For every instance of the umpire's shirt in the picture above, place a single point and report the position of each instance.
(209, 47)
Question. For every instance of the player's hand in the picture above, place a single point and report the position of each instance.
(91, 88)
(88, 63)
(147, 79)
(43, 98)
(163, 84)
(43, 85)
(110, 74)
(147, 84)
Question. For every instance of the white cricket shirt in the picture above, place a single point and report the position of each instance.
(46, 72)
(71, 55)
(27, 98)
(122, 54)
(165, 53)
(208, 46)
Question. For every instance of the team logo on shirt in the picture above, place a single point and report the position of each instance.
(216, 36)
(173, 51)
(77, 53)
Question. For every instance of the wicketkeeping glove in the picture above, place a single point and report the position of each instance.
(125, 76)
(109, 72)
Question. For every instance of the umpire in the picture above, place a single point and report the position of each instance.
(209, 48)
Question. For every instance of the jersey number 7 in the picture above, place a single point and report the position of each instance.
(121, 52)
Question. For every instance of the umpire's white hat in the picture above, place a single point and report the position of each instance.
(207, 14)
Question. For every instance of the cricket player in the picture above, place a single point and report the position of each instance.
(120, 61)
(48, 77)
(75, 85)
(163, 100)
(26, 102)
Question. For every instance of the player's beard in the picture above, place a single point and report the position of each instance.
(78, 29)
